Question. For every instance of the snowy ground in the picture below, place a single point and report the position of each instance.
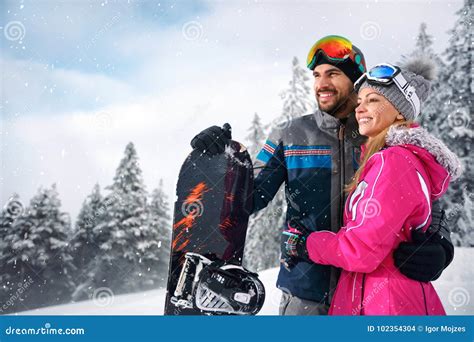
(455, 288)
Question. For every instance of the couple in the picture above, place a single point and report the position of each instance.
(374, 173)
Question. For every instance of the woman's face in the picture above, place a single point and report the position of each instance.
(374, 112)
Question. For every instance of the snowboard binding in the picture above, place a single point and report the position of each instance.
(218, 287)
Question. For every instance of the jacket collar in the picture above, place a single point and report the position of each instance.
(326, 121)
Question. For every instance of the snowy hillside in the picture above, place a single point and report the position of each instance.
(455, 288)
(149, 302)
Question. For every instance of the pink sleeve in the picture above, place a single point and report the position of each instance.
(388, 194)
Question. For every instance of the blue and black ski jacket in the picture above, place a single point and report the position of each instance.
(315, 155)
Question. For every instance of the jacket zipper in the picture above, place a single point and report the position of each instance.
(342, 179)
(341, 204)
(362, 294)
(424, 298)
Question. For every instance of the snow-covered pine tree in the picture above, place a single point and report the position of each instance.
(452, 121)
(12, 209)
(296, 98)
(85, 244)
(262, 248)
(465, 232)
(160, 222)
(256, 258)
(424, 48)
(37, 253)
(255, 137)
(128, 245)
(459, 110)
(423, 44)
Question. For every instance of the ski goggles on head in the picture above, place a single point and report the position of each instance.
(385, 74)
(336, 49)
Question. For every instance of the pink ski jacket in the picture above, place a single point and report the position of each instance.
(393, 197)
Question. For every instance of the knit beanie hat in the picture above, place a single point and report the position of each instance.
(418, 72)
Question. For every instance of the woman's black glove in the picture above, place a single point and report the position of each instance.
(213, 140)
(425, 258)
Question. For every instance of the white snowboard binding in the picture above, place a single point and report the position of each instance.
(217, 287)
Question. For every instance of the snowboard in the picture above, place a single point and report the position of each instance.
(211, 212)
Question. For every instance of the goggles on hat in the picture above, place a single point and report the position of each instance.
(335, 48)
(385, 74)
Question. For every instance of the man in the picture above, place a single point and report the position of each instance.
(316, 155)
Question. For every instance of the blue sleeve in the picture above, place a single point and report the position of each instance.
(270, 172)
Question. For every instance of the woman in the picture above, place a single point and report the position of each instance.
(403, 169)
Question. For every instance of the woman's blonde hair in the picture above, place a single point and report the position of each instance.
(373, 146)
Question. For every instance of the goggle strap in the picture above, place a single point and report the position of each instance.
(359, 81)
(408, 91)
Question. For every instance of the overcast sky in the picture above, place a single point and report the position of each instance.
(80, 79)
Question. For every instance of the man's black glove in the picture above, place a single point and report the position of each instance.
(213, 140)
(429, 253)
(293, 244)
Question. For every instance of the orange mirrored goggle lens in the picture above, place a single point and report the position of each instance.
(334, 47)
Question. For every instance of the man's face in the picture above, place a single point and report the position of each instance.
(334, 90)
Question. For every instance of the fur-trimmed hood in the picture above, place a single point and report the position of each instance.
(438, 160)
(418, 136)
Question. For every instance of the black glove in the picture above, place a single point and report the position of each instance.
(293, 244)
(440, 231)
(427, 256)
(213, 140)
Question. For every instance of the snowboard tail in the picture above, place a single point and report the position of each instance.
(214, 201)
